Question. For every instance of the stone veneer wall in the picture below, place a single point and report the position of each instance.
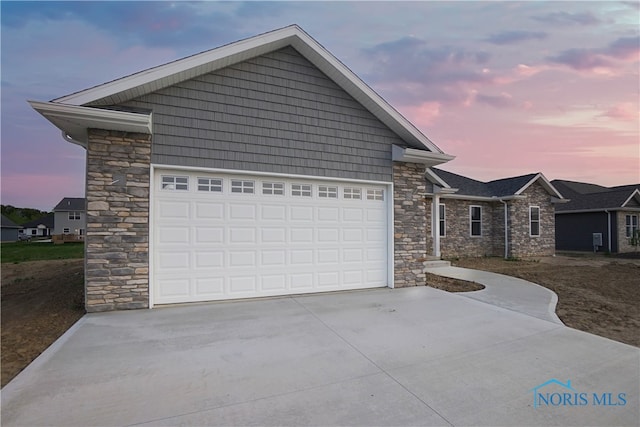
(458, 240)
(117, 234)
(521, 244)
(623, 240)
(410, 224)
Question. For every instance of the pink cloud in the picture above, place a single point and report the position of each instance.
(625, 111)
(39, 191)
(424, 114)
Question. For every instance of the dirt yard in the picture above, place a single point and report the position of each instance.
(42, 299)
(600, 295)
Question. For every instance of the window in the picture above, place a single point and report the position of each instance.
(375, 194)
(443, 220)
(276, 188)
(475, 219)
(74, 215)
(330, 192)
(631, 223)
(301, 190)
(175, 182)
(210, 184)
(81, 231)
(239, 186)
(34, 232)
(352, 193)
(534, 220)
(65, 230)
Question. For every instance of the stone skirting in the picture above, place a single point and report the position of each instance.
(117, 233)
(409, 224)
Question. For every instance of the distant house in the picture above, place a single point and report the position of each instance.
(611, 213)
(40, 227)
(70, 216)
(9, 230)
(511, 217)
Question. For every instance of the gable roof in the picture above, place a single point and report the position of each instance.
(499, 188)
(70, 204)
(62, 111)
(46, 220)
(7, 223)
(592, 197)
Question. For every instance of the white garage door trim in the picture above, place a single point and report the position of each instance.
(157, 170)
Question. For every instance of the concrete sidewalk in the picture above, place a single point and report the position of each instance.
(411, 356)
(505, 291)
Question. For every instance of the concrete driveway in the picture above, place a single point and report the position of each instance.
(413, 356)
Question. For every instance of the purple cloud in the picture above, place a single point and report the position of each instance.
(588, 59)
(498, 101)
(516, 36)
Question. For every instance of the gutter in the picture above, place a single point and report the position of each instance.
(608, 228)
(506, 230)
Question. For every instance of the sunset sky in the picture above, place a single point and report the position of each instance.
(508, 87)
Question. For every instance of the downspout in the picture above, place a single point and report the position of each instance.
(506, 231)
(608, 229)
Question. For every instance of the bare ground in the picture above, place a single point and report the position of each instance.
(600, 295)
(42, 299)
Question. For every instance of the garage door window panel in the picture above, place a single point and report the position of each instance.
(171, 182)
(352, 193)
(210, 184)
(375, 194)
(327, 192)
(273, 188)
(301, 190)
(242, 187)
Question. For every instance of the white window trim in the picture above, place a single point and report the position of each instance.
(175, 183)
(329, 192)
(76, 216)
(272, 188)
(630, 226)
(471, 221)
(352, 193)
(302, 190)
(443, 220)
(376, 194)
(243, 186)
(539, 221)
(66, 230)
(209, 185)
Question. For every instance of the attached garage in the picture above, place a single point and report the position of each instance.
(226, 236)
(260, 168)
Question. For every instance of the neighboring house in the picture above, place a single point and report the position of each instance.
(40, 227)
(264, 167)
(612, 213)
(9, 230)
(467, 217)
(70, 216)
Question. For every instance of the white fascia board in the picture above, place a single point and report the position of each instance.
(545, 183)
(636, 194)
(218, 58)
(412, 155)
(475, 198)
(183, 69)
(74, 121)
(435, 179)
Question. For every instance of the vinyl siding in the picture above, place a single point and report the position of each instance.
(274, 113)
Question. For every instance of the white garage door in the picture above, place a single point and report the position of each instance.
(224, 236)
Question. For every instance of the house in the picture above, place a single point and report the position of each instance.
(9, 230)
(511, 217)
(41, 227)
(70, 216)
(263, 167)
(609, 213)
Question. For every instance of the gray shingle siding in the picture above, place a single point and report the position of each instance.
(274, 113)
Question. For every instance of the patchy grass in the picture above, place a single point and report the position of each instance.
(17, 252)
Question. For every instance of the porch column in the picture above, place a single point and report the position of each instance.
(435, 227)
